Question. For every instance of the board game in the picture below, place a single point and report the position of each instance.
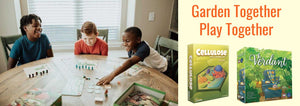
(38, 97)
(140, 95)
(263, 75)
(36, 71)
(207, 72)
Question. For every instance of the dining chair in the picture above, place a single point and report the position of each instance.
(169, 49)
(102, 33)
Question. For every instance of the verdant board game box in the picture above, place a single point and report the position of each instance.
(263, 75)
(138, 94)
(207, 72)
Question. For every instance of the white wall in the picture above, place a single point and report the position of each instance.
(160, 26)
(130, 13)
(10, 14)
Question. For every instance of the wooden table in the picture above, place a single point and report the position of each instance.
(14, 82)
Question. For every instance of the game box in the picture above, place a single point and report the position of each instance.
(263, 75)
(207, 72)
(138, 94)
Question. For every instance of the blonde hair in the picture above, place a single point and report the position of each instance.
(88, 28)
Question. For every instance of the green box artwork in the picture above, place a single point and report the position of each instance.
(263, 75)
(207, 72)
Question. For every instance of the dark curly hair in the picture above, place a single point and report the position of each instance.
(27, 19)
(134, 30)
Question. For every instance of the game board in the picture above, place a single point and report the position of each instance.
(74, 87)
(37, 97)
(35, 71)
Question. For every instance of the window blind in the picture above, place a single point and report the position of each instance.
(61, 18)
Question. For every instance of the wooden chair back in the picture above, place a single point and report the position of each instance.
(102, 33)
(7, 41)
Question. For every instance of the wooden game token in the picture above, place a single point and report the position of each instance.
(98, 99)
(108, 86)
(97, 87)
(41, 73)
(36, 73)
(29, 76)
(90, 90)
(119, 83)
(105, 93)
(32, 75)
(46, 71)
(91, 86)
(97, 91)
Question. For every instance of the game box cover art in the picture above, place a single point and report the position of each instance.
(263, 75)
(207, 72)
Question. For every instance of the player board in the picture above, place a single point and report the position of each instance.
(35, 71)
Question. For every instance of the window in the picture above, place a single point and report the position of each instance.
(61, 18)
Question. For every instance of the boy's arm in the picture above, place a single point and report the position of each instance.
(48, 47)
(49, 53)
(11, 63)
(127, 64)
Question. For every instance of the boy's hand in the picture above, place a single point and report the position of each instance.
(105, 80)
(127, 64)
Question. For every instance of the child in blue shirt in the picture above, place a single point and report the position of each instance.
(32, 45)
(138, 50)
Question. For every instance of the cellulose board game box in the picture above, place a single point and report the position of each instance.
(207, 72)
(263, 75)
(140, 95)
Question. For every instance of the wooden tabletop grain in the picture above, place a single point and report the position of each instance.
(14, 83)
